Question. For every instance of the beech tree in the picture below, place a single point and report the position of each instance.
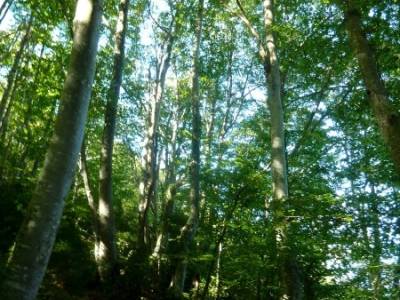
(37, 234)
(386, 115)
(106, 253)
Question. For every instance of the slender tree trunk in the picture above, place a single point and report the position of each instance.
(84, 172)
(386, 115)
(218, 270)
(28, 113)
(47, 133)
(5, 102)
(396, 270)
(4, 8)
(106, 254)
(215, 262)
(292, 282)
(36, 237)
(289, 274)
(189, 230)
(375, 266)
(149, 177)
(3, 130)
(169, 194)
(5, 148)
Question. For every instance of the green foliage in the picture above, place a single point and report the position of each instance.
(342, 214)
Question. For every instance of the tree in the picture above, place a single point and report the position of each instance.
(106, 249)
(386, 115)
(332, 234)
(269, 58)
(6, 99)
(188, 231)
(38, 231)
(148, 185)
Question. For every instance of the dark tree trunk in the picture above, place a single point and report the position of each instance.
(6, 99)
(189, 230)
(386, 115)
(106, 254)
(4, 8)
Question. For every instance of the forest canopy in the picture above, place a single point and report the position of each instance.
(199, 149)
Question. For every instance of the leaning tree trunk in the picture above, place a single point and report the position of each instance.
(291, 280)
(36, 236)
(386, 115)
(5, 102)
(106, 253)
(4, 8)
(188, 231)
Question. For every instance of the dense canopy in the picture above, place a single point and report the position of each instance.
(199, 149)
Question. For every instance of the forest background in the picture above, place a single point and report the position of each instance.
(231, 149)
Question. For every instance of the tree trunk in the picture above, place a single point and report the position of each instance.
(216, 255)
(189, 230)
(89, 194)
(4, 8)
(375, 264)
(386, 115)
(218, 271)
(106, 254)
(169, 194)
(149, 165)
(28, 114)
(5, 102)
(396, 270)
(3, 130)
(36, 237)
(290, 276)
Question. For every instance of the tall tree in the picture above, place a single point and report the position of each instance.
(386, 115)
(293, 285)
(106, 253)
(171, 187)
(188, 231)
(6, 99)
(148, 185)
(268, 54)
(36, 236)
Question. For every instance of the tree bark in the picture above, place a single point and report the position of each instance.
(396, 270)
(375, 263)
(149, 164)
(4, 8)
(28, 114)
(169, 194)
(386, 115)
(290, 275)
(84, 172)
(6, 99)
(36, 237)
(216, 255)
(106, 254)
(188, 231)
